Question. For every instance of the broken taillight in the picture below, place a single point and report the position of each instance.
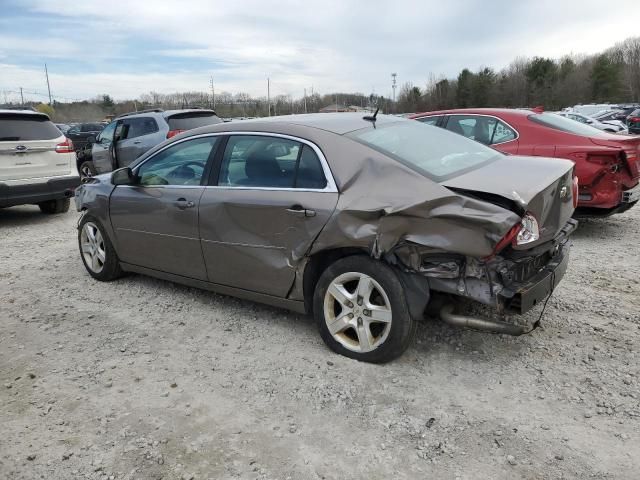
(529, 230)
(507, 240)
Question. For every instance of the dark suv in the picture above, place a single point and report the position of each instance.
(132, 134)
(82, 132)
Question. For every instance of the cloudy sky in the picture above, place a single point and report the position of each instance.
(129, 47)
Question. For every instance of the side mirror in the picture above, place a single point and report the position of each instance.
(123, 176)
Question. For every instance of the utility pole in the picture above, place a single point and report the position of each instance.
(46, 72)
(213, 94)
(21, 97)
(393, 87)
(268, 97)
(305, 100)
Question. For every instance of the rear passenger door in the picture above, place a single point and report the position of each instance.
(269, 198)
(138, 136)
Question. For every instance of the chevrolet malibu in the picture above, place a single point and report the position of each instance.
(361, 222)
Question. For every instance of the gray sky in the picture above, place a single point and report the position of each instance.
(126, 47)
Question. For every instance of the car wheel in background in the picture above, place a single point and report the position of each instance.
(55, 206)
(97, 252)
(87, 169)
(361, 310)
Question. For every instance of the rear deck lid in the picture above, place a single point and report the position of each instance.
(542, 186)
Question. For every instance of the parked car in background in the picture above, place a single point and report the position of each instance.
(613, 117)
(578, 117)
(591, 108)
(37, 162)
(633, 122)
(607, 165)
(132, 134)
(63, 127)
(82, 132)
(293, 211)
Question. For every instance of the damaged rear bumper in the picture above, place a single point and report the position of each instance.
(534, 291)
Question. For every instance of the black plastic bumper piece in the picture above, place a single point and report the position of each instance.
(53, 189)
(537, 289)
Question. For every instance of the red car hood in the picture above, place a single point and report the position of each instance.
(630, 145)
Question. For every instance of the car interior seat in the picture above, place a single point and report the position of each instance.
(262, 169)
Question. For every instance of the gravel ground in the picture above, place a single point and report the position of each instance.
(146, 379)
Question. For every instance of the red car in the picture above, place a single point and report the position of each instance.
(607, 165)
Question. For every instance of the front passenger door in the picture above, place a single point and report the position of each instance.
(156, 220)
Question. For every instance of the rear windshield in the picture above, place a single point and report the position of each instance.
(564, 124)
(91, 127)
(436, 153)
(187, 121)
(14, 128)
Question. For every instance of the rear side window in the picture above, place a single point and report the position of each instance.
(187, 121)
(270, 162)
(137, 127)
(483, 129)
(429, 120)
(15, 128)
(310, 173)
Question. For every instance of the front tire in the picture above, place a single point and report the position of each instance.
(361, 311)
(55, 206)
(97, 252)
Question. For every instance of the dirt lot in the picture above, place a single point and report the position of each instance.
(145, 379)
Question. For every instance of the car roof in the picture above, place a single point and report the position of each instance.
(336, 122)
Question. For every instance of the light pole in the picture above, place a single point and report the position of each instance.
(393, 87)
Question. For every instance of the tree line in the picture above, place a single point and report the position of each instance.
(612, 76)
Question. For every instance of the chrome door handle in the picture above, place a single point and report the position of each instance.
(183, 203)
(299, 211)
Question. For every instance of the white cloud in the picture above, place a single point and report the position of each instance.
(129, 48)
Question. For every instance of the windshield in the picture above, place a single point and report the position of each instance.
(436, 153)
(564, 124)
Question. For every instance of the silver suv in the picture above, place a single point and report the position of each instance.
(132, 134)
(37, 162)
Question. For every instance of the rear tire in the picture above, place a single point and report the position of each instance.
(361, 310)
(55, 206)
(87, 169)
(97, 252)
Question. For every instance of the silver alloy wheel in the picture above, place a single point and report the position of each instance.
(92, 247)
(85, 172)
(357, 312)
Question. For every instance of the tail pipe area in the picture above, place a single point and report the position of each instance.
(447, 316)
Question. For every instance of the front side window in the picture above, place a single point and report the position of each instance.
(433, 152)
(181, 164)
(106, 136)
(259, 161)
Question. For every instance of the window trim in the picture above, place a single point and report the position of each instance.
(484, 115)
(331, 184)
(145, 117)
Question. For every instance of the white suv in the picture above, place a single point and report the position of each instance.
(37, 162)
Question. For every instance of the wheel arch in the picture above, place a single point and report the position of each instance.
(418, 292)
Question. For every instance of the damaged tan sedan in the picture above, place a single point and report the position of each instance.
(359, 221)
